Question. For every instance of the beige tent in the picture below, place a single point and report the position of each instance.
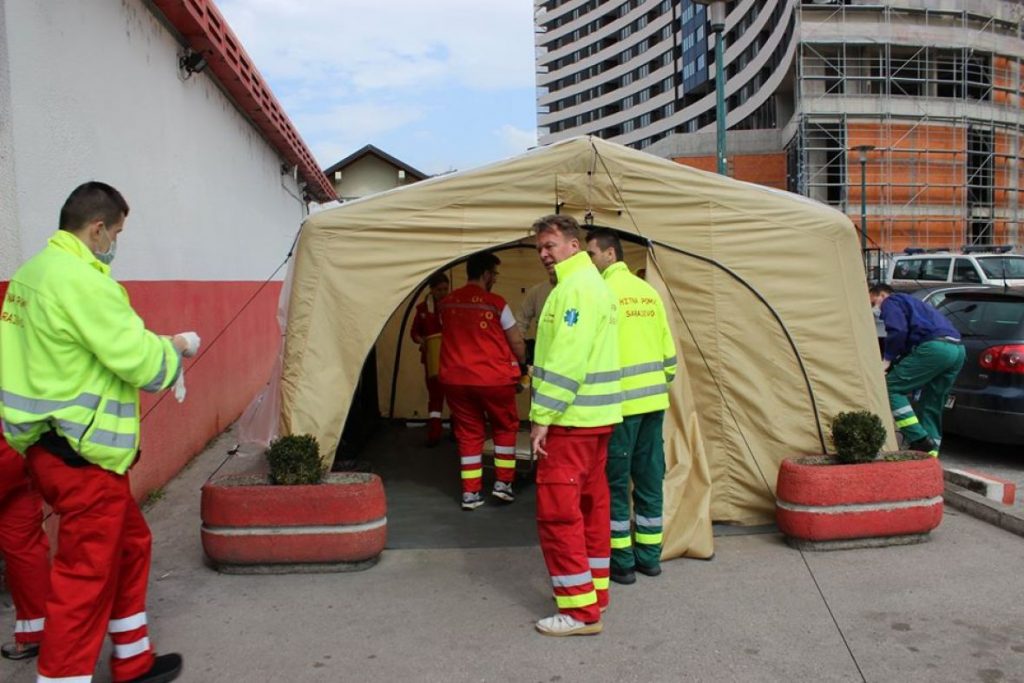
(765, 289)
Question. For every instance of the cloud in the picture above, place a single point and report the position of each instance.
(516, 140)
(347, 127)
(401, 43)
(442, 83)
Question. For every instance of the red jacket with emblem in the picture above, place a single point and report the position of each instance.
(474, 350)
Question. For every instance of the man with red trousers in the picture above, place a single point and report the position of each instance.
(482, 350)
(576, 403)
(73, 357)
(427, 323)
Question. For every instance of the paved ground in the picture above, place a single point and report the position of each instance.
(947, 610)
(1000, 460)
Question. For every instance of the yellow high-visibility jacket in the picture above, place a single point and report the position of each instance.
(74, 354)
(576, 360)
(646, 349)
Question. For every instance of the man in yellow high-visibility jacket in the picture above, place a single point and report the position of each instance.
(575, 405)
(636, 450)
(73, 356)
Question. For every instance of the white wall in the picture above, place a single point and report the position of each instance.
(10, 242)
(95, 94)
(366, 176)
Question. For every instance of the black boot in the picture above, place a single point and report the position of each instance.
(625, 577)
(165, 668)
(925, 444)
(649, 571)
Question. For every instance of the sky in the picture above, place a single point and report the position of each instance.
(442, 85)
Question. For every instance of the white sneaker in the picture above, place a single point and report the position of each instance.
(503, 491)
(471, 501)
(564, 625)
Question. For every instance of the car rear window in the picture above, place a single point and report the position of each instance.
(985, 316)
(1002, 266)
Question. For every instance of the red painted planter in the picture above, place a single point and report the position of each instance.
(830, 502)
(341, 521)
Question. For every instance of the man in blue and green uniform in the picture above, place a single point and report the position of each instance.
(647, 355)
(923, 351)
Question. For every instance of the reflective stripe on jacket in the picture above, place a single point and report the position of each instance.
(474, 349)
(646, 348)
(74, 354)
(576, 361)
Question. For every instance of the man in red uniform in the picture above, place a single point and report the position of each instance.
(73, 357)
(576, 402)
(26, 553)
(481, 351)
(427, 323)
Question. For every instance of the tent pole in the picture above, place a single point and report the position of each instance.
(398, 348)
(775, 314)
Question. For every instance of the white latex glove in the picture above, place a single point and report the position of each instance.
(179, 387)
(193, 341)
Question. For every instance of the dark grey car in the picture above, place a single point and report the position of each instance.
(987, 401)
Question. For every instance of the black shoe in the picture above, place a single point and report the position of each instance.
(924, 444)
(26, 651)
(165, 668)
(649, 571)
(624, 577)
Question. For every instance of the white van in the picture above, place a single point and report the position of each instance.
(994, 266)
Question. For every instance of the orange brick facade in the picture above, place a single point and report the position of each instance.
(763, 169)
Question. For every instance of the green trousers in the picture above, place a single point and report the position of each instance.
(636, 451)
(932, 367)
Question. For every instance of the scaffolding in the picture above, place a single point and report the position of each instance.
(939, 127)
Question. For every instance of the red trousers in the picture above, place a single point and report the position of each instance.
(471, 408)
(435, 404)
(573, 518)
(24, 546)
(98, 581)
(435, 397)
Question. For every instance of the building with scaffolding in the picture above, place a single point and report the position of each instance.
(918, 101)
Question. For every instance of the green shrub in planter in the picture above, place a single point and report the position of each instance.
(857, 436)
(295, 459)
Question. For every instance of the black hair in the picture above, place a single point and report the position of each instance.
(606, 237)
(436, 279)
(90, 202)
(880, 288)
(478, 264)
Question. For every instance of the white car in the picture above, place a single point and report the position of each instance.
(916, 270)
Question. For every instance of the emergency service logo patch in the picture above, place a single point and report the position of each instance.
(572, 316)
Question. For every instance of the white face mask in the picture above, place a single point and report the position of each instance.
(107, 256)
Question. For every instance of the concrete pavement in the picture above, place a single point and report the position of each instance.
(947, 610)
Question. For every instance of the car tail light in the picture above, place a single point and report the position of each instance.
(1007, 358)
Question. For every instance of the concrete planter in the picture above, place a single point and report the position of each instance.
(822, 504)
(250, 526)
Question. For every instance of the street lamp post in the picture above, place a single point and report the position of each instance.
(716, 13)
(862, 152)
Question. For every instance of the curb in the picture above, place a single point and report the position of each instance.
(994, 488)
(985, 509)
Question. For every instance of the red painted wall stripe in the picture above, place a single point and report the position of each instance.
(220, 384)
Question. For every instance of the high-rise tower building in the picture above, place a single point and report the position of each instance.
(933, 87)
